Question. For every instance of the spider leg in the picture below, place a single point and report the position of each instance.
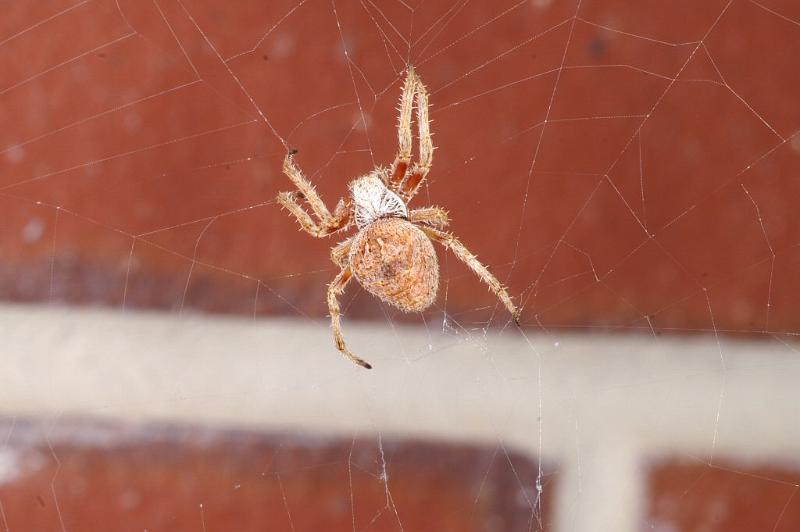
(403, 157)
(335, 289)
(420, 169)
(327, 222)
(452, 243)
(339, 220)
(340, 252)
(435, 216)
(305, 187)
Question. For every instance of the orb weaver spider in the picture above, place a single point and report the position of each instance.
(391, 255)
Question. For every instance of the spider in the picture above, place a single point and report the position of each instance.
(391, 255)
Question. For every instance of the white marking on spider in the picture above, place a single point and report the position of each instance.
(373, 200)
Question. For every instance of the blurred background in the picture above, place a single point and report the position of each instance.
(627, 169)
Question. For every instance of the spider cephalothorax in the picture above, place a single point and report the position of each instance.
(391, 256)
(373, 200)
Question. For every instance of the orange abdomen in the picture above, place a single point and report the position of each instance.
(394, 260)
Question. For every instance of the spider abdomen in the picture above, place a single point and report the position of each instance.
(394, 260)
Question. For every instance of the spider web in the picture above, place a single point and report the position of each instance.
(626, 169)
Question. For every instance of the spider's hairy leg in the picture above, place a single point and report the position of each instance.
(327, 222)
(335, 289)
(341, 215)
(305, 187)
(339, 219)
(340, 252)
(289, 201)
(459, 250)
(435, 216)
(403, 157)
(420, 169)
